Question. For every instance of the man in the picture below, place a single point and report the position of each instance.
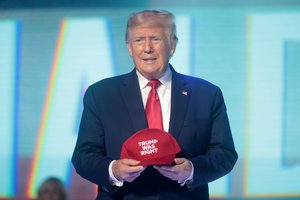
(193, 111)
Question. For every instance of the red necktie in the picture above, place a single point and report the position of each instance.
(153, 108)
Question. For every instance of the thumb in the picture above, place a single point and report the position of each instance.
(128, 161)
(179, 161)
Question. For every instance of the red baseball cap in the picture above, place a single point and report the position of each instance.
(151, 147)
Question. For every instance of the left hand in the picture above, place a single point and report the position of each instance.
(178, 172)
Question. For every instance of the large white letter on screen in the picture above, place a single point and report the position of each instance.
(8, 104)
(83, 56)
(267, 172)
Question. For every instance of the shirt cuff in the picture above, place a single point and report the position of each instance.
(112, 179)
(189, 180)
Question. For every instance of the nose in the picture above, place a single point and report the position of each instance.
(148, 46)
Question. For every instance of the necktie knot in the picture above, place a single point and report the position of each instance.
(154, 83)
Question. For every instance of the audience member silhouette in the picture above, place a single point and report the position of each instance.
(52, 189)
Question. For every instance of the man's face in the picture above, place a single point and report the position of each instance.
(150, 50)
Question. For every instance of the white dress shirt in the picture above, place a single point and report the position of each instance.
(164, 93)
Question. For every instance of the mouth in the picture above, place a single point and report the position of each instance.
(149, 60)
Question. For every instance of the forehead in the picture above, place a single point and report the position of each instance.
(140, 31)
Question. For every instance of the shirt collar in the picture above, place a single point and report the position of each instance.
(165, 79)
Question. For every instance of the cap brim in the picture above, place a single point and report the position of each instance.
(167, 160)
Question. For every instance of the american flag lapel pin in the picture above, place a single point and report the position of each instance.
(184, 92)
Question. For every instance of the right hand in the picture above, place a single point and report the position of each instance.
(127, 169)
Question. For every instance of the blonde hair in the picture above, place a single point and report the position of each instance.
(147, 18)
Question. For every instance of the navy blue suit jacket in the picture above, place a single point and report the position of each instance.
(113, 111)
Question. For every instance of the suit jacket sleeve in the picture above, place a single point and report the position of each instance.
(89, 157)
(220, 155)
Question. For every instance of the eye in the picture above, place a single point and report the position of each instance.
(138, 40)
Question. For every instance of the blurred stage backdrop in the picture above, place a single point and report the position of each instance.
(51, 51)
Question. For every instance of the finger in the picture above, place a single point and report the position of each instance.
(123, 168)
(132, 176)
(136, 170)
(170, 172)
(171, 176)
(166, 168)
(131, 165)
(130, 162)
(165, 172)
(160, 168)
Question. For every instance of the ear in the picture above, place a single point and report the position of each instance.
(129, 47)
(173, 48)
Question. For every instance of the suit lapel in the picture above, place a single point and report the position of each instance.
(132, 96)
(179, 103)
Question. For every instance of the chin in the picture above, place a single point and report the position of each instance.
(153, 76)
